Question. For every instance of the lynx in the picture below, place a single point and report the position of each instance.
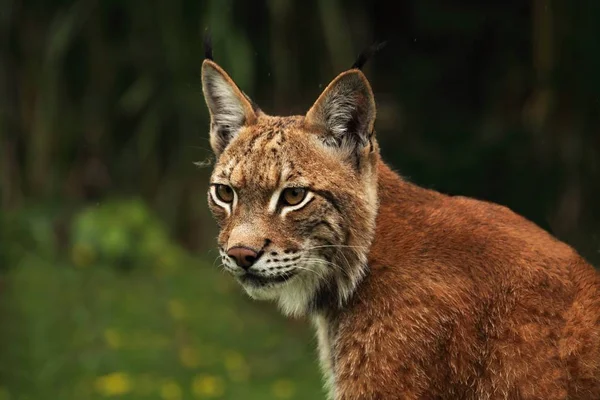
(414, 294)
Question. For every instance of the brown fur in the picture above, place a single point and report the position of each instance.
(415, 294)
(467, 300)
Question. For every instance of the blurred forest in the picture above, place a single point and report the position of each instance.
(103, 217)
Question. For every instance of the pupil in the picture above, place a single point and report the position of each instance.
(293, 196)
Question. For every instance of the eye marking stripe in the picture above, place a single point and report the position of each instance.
(215, 199)
(309, 197)
(275, 200)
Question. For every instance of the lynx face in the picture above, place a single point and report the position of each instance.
(295, 197)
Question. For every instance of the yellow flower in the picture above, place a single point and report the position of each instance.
(208, 386)
(82, 255)
(170, 390)
(189, 357)
(112, 338)
(283, 389)
(176, 309)
(115, 384)
(236, 366)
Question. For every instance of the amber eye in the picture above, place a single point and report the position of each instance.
(224, 193)
(293, 196)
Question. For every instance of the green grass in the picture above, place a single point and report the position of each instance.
(172, 331)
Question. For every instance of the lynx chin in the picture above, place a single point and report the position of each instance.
(414, 294)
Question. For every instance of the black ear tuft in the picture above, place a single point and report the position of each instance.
(367, 54)
(208, 50)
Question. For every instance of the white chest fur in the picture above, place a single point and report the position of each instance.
(325, 354)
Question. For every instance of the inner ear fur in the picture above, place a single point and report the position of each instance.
(230, 109)
(345, 110)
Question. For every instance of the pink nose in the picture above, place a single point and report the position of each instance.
(243, 256)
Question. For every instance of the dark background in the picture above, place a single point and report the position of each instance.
(103, 217)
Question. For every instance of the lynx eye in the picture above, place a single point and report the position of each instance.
(293, 196)
(224, 193)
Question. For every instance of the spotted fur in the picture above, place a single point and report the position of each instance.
(414, 294)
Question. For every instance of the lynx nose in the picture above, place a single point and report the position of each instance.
(243, 256)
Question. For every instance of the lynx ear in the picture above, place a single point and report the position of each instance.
(346, 111)
(230, 109)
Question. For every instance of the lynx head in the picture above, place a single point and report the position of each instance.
(295, 197)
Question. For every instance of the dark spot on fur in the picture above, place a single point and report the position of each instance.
(251, 143)
(270, 135)
(326, 297)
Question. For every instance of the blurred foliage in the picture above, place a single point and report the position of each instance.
(102, 115)
(14, 240)
(90, 332)
(121, 234)
(31, 229)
